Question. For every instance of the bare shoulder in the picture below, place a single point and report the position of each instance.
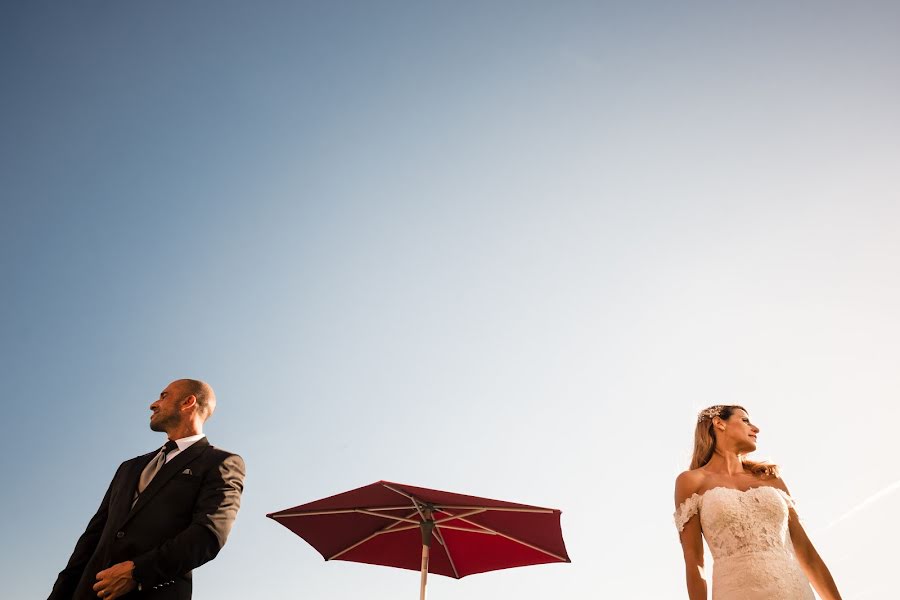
(687, 484)
(778, 482)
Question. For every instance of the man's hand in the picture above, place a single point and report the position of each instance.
(115, 581)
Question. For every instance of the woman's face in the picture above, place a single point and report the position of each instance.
(740, 431)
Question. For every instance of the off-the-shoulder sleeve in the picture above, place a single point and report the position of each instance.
(686, 510)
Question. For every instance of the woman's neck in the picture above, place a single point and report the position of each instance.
(725, 462)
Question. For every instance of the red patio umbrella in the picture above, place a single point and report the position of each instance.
(393, 524)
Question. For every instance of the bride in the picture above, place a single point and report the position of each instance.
(747, 516)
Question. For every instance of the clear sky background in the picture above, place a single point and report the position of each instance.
(505, 249)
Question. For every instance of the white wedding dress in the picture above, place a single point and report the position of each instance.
(747, 534)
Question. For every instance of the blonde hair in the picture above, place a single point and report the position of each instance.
(705, 441)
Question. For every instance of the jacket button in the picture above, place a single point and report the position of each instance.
(120, 534)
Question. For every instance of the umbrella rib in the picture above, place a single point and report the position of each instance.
(510, 538)
(440, 538)
(469, 530)
(337, 511)
(497, 508)
(415, 500)
(460, 516)
(422, 516)
(387, 529)
(398, 529)
(486, 508)
(375, 514)
(418, 504)
(524, 509)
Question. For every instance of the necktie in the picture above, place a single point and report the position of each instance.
(154, 466)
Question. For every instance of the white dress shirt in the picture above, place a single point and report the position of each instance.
(183, 444)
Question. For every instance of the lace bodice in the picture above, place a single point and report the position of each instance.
(737, 522)
(748, 537)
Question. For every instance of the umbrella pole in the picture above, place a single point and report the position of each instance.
(424, 578)
(427, 526)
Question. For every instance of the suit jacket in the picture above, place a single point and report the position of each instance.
(179, 522)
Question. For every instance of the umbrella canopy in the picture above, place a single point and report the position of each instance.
(394, 524)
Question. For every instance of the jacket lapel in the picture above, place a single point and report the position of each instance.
(169, 470)
(128, 485)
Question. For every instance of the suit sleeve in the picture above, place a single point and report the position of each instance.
(214, 513)
(68, 578)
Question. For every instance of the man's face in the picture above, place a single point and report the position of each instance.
(166, 411)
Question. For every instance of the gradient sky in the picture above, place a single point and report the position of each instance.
(505, 249)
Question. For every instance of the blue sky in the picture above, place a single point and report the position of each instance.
(506, 249)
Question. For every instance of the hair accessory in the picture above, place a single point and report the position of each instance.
(707, 414)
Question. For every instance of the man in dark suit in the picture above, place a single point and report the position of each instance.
(165, 512)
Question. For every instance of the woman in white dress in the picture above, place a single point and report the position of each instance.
(747, 516)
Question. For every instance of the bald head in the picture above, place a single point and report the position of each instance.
(203, 392)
